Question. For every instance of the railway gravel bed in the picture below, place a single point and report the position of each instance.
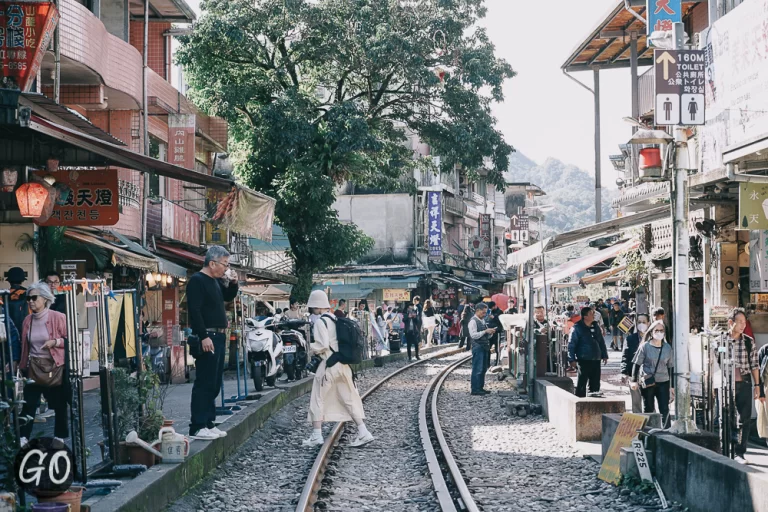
(522, 464)
(268, 471)
(391, 473)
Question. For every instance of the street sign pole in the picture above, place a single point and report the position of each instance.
(683, 423)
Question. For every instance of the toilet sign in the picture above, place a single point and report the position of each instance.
(680, 79)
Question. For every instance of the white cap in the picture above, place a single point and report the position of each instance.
(318, 299)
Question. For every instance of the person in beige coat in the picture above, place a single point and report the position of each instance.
(334, 394)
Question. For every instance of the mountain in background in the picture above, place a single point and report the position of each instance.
(570, 189)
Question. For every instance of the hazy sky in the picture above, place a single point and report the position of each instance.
(545, 113)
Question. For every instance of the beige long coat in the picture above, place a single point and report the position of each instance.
(334, 394)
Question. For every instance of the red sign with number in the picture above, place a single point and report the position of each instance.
(84, 198)
(25, 34)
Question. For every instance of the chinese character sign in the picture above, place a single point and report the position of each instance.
(84, 198)
(753, 206)
(435, 224)
(181, 140)
(663, 13)
(485, 233)
(25, 33)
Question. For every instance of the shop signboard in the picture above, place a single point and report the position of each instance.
(84, 198)
(181, 140)
(753, 206)
(625, 433)
(435, 225)
(396, 295)
(180, 224)
(662, 14)
(680, 79)
(485, 233)
(737, 78)
(26, 28)
(758, 261)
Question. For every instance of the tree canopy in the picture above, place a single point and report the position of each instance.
(321, 92)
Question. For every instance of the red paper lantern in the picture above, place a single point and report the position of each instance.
(31, 198)
(650, 158)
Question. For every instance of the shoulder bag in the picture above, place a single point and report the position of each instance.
(650, 380)
(44, 372)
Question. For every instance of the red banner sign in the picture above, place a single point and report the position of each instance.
(84, 198)
(181, 140)
(25, 34)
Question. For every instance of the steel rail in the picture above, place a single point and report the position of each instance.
(314, 480)
(458, 480)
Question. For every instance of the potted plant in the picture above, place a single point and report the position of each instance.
(139, 403)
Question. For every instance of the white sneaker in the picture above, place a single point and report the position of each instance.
(362, 440)
(205, 435)
(23, 442)
(218, 432)
(313, 441)
(740, 459)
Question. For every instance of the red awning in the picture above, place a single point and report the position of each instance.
(187, 255)
(124, 157)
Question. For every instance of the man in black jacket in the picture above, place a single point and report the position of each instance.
(494, 322)
(207, 293)
(628, 355)
(586, 347)
(617, 315)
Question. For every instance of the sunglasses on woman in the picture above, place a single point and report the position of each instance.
(32, 298)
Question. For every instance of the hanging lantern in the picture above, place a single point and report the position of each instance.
(31, 198)
(151, 283)
(169, 280)
(10, 177)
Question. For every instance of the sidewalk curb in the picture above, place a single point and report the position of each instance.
(162, 484)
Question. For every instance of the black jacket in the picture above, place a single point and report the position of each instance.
(616, 317)
(583, 345)
(630, 349)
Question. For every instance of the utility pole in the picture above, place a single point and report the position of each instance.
(683, 423)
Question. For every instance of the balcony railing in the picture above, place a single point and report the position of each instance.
(449, 181)
(455, 206)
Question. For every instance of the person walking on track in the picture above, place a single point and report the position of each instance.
(586, 347)
(334, 394)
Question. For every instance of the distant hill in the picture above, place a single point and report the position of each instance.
(569, 188)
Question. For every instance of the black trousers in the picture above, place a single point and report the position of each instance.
(659, 392)
(494, 342)
(210, 371)
(743, 401)
(412, 339)
(589, 372)
(57, 400)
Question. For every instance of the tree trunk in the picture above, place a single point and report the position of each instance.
(303, 288)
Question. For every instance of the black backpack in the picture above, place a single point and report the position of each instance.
(351, 342)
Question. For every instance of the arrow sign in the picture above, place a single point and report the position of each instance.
(666, 59)
(514, 220)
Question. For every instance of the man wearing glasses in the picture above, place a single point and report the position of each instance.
(207, 291)
(53, 280)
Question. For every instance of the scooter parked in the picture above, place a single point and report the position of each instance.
(265, 351)
(295, 356)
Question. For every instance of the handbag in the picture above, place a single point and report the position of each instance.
(650, 380)
(44, 372)
(195, 348)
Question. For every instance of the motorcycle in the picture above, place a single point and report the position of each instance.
(295, 355)
(265, 351)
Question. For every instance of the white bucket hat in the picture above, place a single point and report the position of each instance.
(318, 299)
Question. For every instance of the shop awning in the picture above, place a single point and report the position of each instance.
(121, 256)
(273, 292)
(571, 237)
(394, 283)
(193, 259)
(345, 291)
(577, 265)
(471, 288)
(163, 266)
(612, 274)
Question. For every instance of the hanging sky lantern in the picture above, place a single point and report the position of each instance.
(10, 177)
(31, 198)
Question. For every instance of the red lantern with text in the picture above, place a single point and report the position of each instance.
(650, 158)
(31, 198)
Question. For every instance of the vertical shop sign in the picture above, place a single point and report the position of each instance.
(758, 261)
(25, 34)
(181, 140)
(663, 14)
(485, 233)
(84, 198)
(435, 225)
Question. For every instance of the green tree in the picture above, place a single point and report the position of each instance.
(321, 92)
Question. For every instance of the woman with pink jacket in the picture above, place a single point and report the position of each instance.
(43, 335)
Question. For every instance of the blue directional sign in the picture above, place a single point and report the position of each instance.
(663, 13)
